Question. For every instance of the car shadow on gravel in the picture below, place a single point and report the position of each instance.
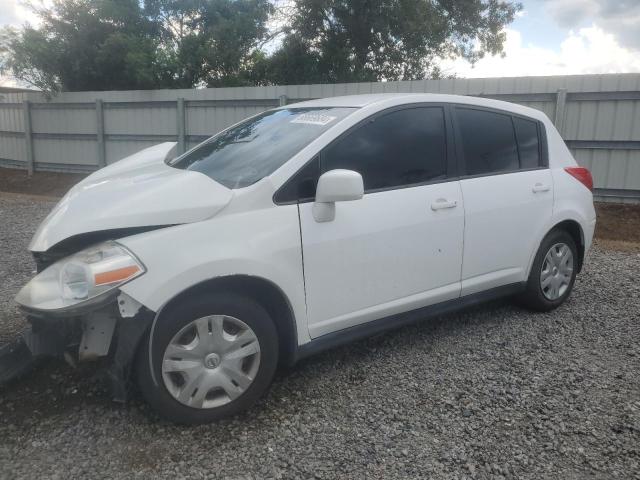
(55, 388)
(453, 323)
(52, 388)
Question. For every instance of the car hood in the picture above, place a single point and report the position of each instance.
(137, 191)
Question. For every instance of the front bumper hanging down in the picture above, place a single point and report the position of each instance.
(110, 333)
(19, 356)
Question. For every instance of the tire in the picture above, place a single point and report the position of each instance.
(545, 298)
(178, 329)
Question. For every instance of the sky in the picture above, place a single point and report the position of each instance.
(548, 37)
(564, 37)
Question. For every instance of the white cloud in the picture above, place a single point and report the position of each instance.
(619, 17)
(17, 12)
(589, 50)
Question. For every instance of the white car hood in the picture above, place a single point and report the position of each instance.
(138, 191)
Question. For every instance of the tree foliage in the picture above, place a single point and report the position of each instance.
(126, 44)
(369, 40)
(144, 44)
(104, 44)
(208, 42)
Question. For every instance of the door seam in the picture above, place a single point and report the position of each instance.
(304, 276)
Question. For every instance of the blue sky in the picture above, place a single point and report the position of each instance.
(564, 37)
(548, 37)
(537, 26)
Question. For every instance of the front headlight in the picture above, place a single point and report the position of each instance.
(87, 275)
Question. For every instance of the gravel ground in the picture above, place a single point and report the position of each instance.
(493, 392)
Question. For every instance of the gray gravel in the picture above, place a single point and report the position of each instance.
(19, 218)
(493, 392)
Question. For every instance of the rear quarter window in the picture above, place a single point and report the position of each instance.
(528, 136)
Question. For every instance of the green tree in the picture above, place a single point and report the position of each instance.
(370, 40)
(130, 44)
(82, 45)
(209, 42)
(143, 44)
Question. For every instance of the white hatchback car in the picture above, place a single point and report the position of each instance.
(298, 229)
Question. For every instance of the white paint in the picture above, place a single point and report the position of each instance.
(128, 306)
(388, 252)
(336, 186)
(137, 191)
(252, 236)
(385, 253)
(499, 209)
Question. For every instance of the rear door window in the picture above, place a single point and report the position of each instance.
(488, 141)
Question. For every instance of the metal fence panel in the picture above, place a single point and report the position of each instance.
(597, 115)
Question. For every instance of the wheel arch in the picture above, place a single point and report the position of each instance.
(265, 292)
(574, 229)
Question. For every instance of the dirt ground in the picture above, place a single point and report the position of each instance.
(48, 184)
(618, 225)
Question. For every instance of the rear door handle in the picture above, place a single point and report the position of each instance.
(443, 203)
(539, 187)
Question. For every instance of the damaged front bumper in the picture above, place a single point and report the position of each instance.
(108, 330)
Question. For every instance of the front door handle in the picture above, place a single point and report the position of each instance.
(442, 203)
(539, 187)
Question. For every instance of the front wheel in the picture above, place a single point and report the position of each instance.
(553, 272)
(212, 356)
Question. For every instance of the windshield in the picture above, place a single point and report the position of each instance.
(255, 148)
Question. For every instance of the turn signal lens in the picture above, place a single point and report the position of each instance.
(582, 174)
(116, 276)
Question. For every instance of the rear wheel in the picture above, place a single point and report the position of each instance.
(553, 272)
(212, 356)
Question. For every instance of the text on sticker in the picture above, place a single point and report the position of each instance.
(313, 119)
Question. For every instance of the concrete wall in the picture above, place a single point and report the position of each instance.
(597, 115)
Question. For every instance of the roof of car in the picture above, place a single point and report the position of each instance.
(390, 99)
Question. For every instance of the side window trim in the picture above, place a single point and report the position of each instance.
(542, 141)
(294, 177)
(515, 135)
(452, 167)
(544, 148)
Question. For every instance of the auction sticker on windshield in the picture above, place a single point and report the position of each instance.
(313, 119)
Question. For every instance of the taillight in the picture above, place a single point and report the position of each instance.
(582, 174)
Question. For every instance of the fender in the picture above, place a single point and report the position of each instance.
(586, 230)
(263, 244)
(268, 293)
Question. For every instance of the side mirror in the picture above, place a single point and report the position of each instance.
(336, 186)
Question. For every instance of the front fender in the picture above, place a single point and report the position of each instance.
(261, 243)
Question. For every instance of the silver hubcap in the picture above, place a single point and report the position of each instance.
(557, 271)
(211, 361)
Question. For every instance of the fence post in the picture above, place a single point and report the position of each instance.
(282, 100)
(28, 136)
(561, 101)
(102, 154)
(180, 118)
